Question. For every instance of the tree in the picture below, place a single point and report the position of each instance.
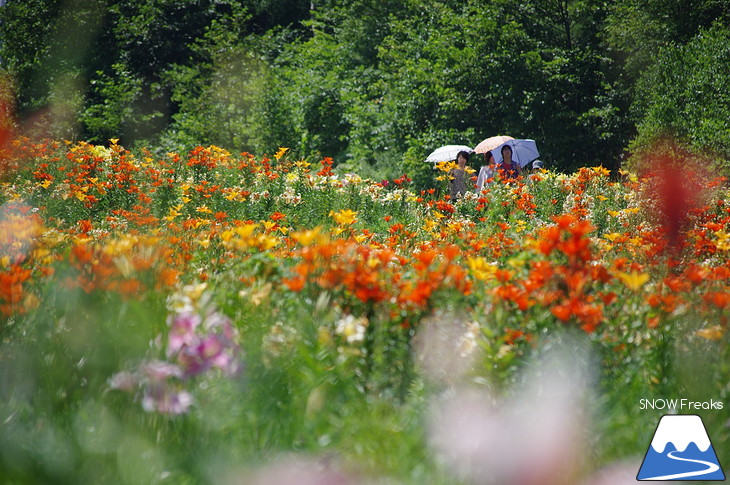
(637, 29)
(323, 84)
(25, 32)
(49, 47)
(686, 94)
(109, 66)
(368, 82)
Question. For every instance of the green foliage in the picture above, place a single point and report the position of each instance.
(217, 97)
(366, 82)
(28, 31)
(685, 95)
(118, 111)
(639, 29)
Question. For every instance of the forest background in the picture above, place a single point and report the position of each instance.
(374, 84)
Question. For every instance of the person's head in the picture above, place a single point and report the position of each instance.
(488, 158)
(537, 165)
(507, 154)
(462, 158)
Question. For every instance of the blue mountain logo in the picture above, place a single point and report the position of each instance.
(681, 450)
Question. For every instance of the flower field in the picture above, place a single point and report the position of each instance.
(212, 317)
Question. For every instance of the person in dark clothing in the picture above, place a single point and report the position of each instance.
(459, 177)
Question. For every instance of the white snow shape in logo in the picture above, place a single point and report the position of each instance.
(681, 430)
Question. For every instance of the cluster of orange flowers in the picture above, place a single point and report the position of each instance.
(130, 225)
(19, 230)
(376, 274)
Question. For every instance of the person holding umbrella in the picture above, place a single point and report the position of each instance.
(459, 177)
(508, 169)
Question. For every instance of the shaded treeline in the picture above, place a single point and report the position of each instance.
(375, 84)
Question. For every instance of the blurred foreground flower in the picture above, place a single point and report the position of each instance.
(160, 385)
(200, 339)
(677, 182)
(351, 328)
(199, 344)
(163, 390)
(446, 347)
(294, 471)
(537, 436)
(615, 474)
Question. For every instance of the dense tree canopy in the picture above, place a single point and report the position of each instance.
(376, 84)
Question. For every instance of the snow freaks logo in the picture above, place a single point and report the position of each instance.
(679, 450)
